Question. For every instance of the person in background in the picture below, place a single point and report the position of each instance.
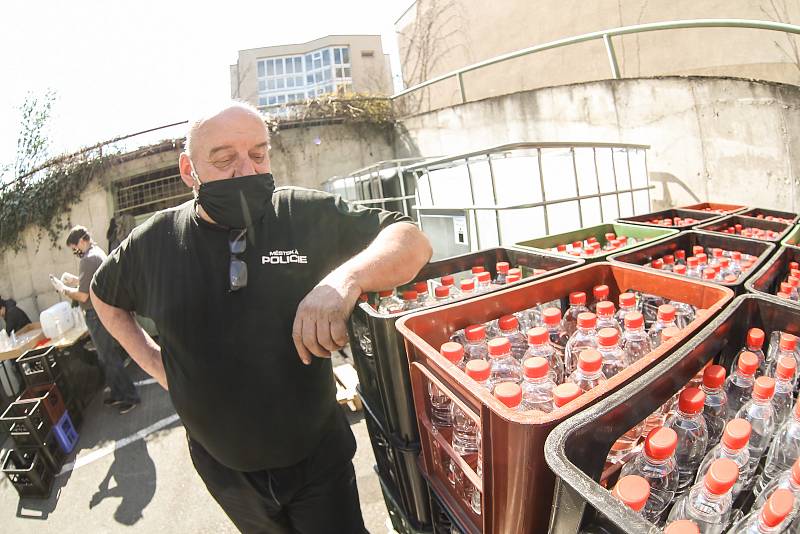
(14, 317)
(123, 395)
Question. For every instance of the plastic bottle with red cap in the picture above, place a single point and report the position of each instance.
(633, 491)
(577, 305)
(684, 313)
(682, 526)
(665, 319)
(609, 348)
(693, 267)
(656, 464)
(772, 518)
(423, 292)
(539, 346)
(635, 342)
(785, 381)
(784, 450)
(708, 504)
(789, 480)
(607, 316)
(509, 329)
(589, 372)
(441, 404)
(450, 281)
(505, 367)
(465, 429)
(441, 295)
(565, 393)
(787, 347)
(599, 294)
(688, 422)
(754, 342)
(537, 385)
(502, 268)
(467, 287)
(736, 263)
(388, 303)
(410, 300)
(758, 411)
(483, 282)
(584, 337)
(733, 445)
(551, 319)
(627, 304)
(475, 347)
(714, 408)
(680, 257)
(739, 384)
(724, 269)
(510, 394)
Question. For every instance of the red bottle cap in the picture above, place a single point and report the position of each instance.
(410, 295)
(777, 508)
(633, 491)
(702, 258)
(484, 277)
(600, 293)
(421, 287)
(475, 332)
(565, 393)
(682, 526)
(668, 334)
(793, 281)
(442, 291)
(660, 443)
(634, 320)
(736, 434)
(786, 288)
(794, 265)
(468, 285)
(691, 401)
(605, 308)
(788, 342)
(511, 278)
(577, 244)
(536, 367)
(709, 274)
(452, 351)
(786, 368)
(508, 322)
(538, 335)
(551, 316)
(764, 388)
(587, 320)
(502, 267)
(591, 240)
(658, 264)
(478, 269)
(697, 249)
(577, 298)
(717, 253)
(666, 313)
(590, 361)
(692, 262)
(721, 476)
(508, 393)
(499, 346)
(669, 259)
(608, 337)
(627, 300)
(386, 293)
(730, 278)
(680, 254)
(478, 370)
(714, 376)
(516, 271)
(736, 255)
(748, 363)
(448, 280)
(610, 236)
(679, 269)
(561, 248)
(795, 273)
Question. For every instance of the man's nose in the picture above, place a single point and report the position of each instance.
(245, 167)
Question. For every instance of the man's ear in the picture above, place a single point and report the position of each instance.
(185, 168)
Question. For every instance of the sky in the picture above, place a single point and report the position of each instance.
(122, 67)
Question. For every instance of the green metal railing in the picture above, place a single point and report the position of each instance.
(606, 36)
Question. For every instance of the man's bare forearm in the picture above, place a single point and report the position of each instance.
(136, 342)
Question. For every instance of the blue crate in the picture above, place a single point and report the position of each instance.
(66, 434)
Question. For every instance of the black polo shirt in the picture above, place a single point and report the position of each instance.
(234, 375)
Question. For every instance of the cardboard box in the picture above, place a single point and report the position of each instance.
(31, 343)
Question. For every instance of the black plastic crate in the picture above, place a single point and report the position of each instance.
(26, 422)
(576, 450)
(28, 473)
(50, 451)
(720, 225)
(767, 280)
(686, 240)
(400, 522)
(443, 520)
(378, 350)
(755, 212)
(40, 366)
(644, 220)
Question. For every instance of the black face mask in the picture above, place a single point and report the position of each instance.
(78, 252)
(237, 202)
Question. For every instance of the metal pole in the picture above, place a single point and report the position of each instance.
(616, 183)
(544, 196)
(577, 187)
(597, 179)
(647, 176)
(494, 197)
(398, 171)
(473, 213)
(461, 87)
(612, 57)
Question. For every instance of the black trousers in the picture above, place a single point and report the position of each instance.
(315, 496)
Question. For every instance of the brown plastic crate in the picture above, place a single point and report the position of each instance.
(517, 484)
(760, 213)
(719, 226)
(646, 218)
(715, 207)
(52, 401)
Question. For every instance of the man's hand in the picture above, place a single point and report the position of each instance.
(320, 325)
(69, 279)
(58, 285)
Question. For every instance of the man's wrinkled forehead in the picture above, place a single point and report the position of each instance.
(234, 127)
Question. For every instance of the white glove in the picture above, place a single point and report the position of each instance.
(70, 280)
(58, 284)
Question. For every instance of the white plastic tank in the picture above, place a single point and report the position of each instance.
(57, 320)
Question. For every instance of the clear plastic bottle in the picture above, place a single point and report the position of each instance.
(584, 337)
(666, 319)
(771, 518)
(606, 316)
(502, 268)
(441, 295)
(589, 373)
(716, 257)
(733, 446)
(627, 304)
(684, 314)
(680, 257)
(558, 336)
(708, 504)
(450, 281)
(724, 269)
(509, 329)
(754, 344)
(710, 274)
(633, 491)
(736, 263)
(784, 451)
(600, 293)
(540, 346)
(680, 269)
(410, 300)
(388, 303)
(609, 349)
(786, 347)
(483, 282)
(577, 305)
(775, 347)
(565, 393)
(509, 394)
(788, 479)
(669, 262)
(693, 267)
(657, 264)
(635, 342)
(656, 464)
(476, 347)
(759, 413)
(423, 293)
(505, 367)
(465, 430)
(715, 404)
(538, 385)
(690, 426)
(785, 380)
(739, 384)
(441, 405)
(467, 287)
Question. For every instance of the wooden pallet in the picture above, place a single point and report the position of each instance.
(346, 382)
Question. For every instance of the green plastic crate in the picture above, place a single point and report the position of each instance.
(792, 239)
(643, 234)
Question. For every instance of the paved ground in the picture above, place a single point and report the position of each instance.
(132, 473)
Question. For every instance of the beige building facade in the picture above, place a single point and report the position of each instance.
(334, 64)
(438, 36)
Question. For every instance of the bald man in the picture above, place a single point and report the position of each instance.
(250, 288)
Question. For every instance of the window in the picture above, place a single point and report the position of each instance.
(326, 57)
(294, 78)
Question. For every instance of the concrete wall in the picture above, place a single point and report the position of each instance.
(722, 140)
(438, 36)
